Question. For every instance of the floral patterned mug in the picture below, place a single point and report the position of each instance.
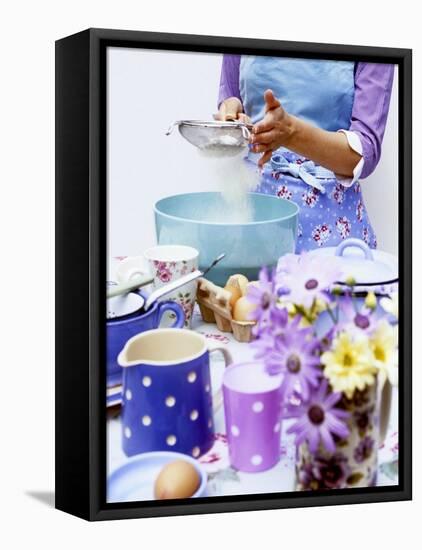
(167, 263)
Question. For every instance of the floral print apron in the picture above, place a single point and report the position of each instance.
(325, 219)
(321, 93)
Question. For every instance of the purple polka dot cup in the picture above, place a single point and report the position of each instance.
(168, 403)
(252, 406)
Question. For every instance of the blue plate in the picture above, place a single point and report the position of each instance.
(134, 481)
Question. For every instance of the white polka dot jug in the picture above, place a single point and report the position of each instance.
(167, 401)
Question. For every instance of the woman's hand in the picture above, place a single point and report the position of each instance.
(232, 109)
(273, 131)
(280, 129)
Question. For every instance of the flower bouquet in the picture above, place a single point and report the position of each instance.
(338, 354)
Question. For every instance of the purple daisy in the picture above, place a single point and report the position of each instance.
(263, 295)
(318, 420)
(264, 343)
(307, 277)
(353, 319)
(292, 353)
(274, 325)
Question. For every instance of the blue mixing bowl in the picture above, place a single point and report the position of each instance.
(194, 219)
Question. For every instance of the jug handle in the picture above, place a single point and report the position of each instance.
(174, 308)
(385, 408)
(217, 397)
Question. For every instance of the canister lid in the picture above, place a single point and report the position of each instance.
(366, 266)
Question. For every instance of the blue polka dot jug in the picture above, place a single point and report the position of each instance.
(168, 402)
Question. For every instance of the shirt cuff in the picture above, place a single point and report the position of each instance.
(355, 144)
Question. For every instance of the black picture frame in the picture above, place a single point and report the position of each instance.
(81, 271)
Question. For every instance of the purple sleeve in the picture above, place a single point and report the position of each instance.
(229, 80)
(373, 83)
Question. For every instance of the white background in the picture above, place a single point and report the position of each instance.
(148, 90)
(27, 276)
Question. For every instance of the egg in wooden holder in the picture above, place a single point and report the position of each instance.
(228, 307)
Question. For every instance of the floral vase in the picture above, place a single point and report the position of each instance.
(355, 460)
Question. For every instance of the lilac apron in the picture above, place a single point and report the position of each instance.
(321, 93)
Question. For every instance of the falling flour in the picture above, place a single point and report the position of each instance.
(234, 178)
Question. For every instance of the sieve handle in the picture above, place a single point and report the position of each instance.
(172, 126)
(246, 133)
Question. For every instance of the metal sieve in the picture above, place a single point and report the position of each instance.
(224, 137)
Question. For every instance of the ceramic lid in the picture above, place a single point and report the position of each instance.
(366, 266)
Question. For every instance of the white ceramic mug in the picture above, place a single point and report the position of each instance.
(167, 263)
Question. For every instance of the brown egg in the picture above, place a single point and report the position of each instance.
(242, 309)
(178, 479)
(241, 281)
(235, 292)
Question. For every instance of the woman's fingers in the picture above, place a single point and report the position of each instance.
(230, 109)
(266, 125)
(244, 118)
(223, 117)
(264, 137)
(241, 117)
(272, 109)
(265, 158)
(261, 147)
(271, 102)
(229, 114)
(267, 135)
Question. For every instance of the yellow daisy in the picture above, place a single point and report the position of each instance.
(349, 365)
(384, 344)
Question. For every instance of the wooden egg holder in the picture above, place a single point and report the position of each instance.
(214, 305)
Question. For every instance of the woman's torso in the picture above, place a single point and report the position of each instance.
(322, 94)
(318, 92)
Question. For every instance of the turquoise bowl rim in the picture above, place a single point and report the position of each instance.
(247, 224)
